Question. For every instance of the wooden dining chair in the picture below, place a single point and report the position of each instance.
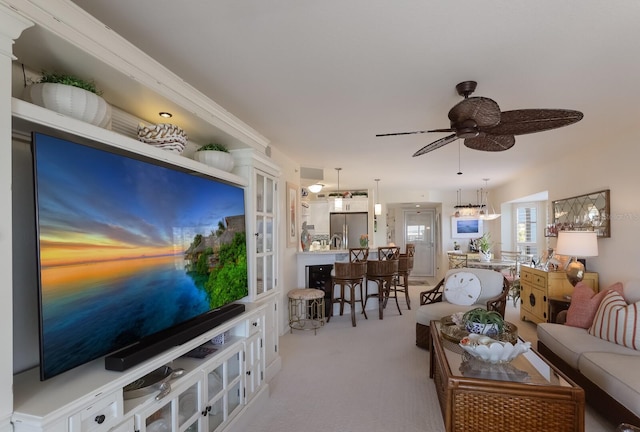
(513, 272)
(457, 260)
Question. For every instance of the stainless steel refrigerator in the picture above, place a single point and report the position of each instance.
(346, 229)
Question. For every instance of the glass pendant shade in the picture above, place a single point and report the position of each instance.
(315, 188)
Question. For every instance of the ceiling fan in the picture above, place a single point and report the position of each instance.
(479, 121)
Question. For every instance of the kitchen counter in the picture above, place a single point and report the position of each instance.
(323, 257)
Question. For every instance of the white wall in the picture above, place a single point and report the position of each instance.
(612, 165)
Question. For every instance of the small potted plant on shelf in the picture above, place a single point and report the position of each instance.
(215, 155)
(70, 95)
(483, 321)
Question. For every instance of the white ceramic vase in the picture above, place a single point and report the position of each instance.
(216, 159)
(70, 101)
(485, 256)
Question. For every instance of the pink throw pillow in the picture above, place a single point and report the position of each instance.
(584, 304)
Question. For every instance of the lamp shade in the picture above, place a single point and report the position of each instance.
(315, 188)
(377, 209)
(577, 243)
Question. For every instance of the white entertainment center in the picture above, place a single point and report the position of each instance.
(216, 393)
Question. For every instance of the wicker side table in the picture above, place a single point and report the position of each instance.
(306, 309)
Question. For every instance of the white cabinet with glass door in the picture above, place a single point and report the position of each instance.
(262, 217)
(223, 390)
(178, 411)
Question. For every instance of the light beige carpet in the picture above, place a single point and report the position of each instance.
(368, 378)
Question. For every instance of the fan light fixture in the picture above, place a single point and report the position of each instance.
(337, 204)
(315, 188)
(377, 208)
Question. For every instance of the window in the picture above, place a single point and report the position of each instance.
(527, 228)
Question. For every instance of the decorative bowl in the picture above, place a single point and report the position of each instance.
(163, 135)
(489, 329)
(491, 350)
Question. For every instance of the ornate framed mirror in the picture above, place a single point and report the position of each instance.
(581, 213)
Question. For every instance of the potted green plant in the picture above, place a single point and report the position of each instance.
(71, 96)
(215, 155)
(484, 246)
(483, 321)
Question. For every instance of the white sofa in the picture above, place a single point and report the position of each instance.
(609, 373)
(493, 296)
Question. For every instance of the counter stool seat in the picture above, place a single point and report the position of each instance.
(306, 309)
(348, 276)
(383, 274)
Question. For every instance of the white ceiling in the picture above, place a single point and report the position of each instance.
(320, 79)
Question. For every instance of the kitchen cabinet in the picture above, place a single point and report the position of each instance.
(537, 286)
(355, 204)
(319, 217)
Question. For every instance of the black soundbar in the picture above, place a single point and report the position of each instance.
(162, 341)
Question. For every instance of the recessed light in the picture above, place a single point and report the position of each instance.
(165, 114)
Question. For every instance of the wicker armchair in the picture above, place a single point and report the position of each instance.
(495, 288)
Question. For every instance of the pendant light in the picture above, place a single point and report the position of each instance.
(485, 204)
(377, 208)
(338, 201)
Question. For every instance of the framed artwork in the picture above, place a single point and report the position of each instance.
(466, 227)
(292, 215)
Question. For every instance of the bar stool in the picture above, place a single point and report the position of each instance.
(405, 264)
(348, 275)
(383, 273)
(358, 254)
(306, 309)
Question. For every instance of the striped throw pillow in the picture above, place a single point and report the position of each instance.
(617, 322)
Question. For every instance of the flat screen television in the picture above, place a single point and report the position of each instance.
(129, 249)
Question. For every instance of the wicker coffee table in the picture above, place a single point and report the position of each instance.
(528, 394)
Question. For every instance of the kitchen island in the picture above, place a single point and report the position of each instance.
(314, 266)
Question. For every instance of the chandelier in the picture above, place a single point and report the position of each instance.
(479, 210)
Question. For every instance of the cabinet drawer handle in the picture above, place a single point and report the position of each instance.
(255, 324)
(100, 418)
(532, 299)
(248, 372)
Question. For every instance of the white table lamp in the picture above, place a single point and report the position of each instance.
(577, 244)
